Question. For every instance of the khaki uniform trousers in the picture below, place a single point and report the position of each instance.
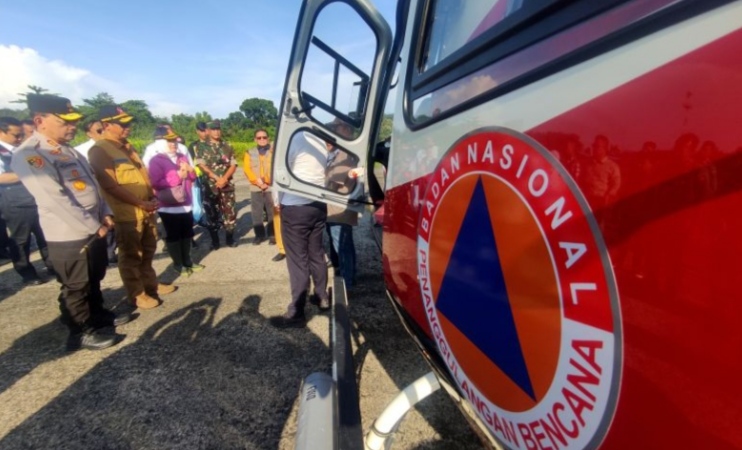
(137, 243)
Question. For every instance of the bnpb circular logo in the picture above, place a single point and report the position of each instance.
(519, 292)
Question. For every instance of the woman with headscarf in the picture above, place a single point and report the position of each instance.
(172, 177)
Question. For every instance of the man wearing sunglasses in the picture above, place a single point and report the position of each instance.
(74, 216)
(18, 208)
(257, 167)
(128, 191)
(94, 130)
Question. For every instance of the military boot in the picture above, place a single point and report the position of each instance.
(231, 242)
(214, 239)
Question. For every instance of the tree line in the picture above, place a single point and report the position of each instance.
(238, 126)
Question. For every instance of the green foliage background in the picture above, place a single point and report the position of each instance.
(238, 128)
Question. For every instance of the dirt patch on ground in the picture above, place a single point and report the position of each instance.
(205, 370)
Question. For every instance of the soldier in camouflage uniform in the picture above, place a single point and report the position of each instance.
(216, 159)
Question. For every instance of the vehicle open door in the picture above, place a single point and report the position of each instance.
(332, 91)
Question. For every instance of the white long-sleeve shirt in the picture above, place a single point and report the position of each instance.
(307, 161)
(85, 147)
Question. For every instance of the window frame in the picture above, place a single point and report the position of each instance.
(516, 33)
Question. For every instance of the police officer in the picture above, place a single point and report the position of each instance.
(74, 217)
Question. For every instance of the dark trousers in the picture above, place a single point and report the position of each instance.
(111, 245)
(261, 202)
(80, 273)
(21, 216)
(302, 228)
(343, 250)
(4, 239)
(178, 226)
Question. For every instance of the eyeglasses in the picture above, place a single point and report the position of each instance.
(261, 137)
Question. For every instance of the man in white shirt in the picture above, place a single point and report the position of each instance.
(302, 225)
(94, 130)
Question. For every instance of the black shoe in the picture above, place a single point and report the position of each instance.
(323, 304)
(279, 257)
(33, 282)
(271, 241)
(91, 340)
(258, 240)
(287, 321)
(111, 319)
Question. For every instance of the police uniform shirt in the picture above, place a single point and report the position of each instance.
(68, 197)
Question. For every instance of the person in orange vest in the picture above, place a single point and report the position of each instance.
(257, 167)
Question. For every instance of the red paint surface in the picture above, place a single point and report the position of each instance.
(673, 233)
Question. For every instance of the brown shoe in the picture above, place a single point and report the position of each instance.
(164, 289)
(144, 301)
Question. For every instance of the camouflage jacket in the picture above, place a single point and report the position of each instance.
(217, 156)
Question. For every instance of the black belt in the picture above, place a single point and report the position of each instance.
(10, 185)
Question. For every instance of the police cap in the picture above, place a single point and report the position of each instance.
(53, 104)
(114, 113)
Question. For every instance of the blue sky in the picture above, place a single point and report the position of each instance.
(177, 57)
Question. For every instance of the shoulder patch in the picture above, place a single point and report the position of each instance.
(37, 162)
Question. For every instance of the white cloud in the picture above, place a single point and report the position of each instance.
(25, 66)
(31, 68)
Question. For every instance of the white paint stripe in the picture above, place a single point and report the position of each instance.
(539, 102)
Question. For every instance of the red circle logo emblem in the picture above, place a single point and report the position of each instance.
(519, 292)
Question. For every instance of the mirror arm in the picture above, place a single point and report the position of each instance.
(296, 111)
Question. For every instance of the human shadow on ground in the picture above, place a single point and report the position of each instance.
(45, 343)
(190, 381)
(11, 283)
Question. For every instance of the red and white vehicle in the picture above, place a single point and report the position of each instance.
(562, 204)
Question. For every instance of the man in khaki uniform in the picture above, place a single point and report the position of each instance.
(128, 191)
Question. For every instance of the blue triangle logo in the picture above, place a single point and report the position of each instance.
(473, 294)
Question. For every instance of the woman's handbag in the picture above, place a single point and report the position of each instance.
(172, 196)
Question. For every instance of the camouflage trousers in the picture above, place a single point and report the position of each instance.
(224, 201)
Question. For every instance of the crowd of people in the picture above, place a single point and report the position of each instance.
(97, 205)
